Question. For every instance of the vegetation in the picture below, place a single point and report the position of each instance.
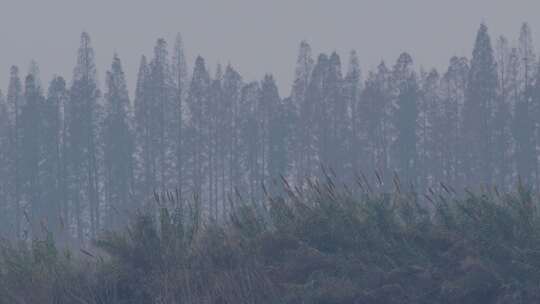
(320, 245)
(79, 153)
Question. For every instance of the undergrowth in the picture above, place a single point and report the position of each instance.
(320, 245)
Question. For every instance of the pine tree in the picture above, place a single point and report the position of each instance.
(31, 155)
(352, 92)
(505, 109)
(247, 149)
(527, 57)
(301, 140)
(479, 111)
(523, 130)
(274, 131)
(431, 132)
(162, 110)
(405, 119)
(376, 118)
(144, 173)
(454, 85)
(83, 114)
(212, 124)
(527, 64)
(317, 119)
(55, 194)
(33, 69)
(181, 84)
(15, 104)
(503, 58)
(198, 101)
(230, 127)
(534, 106)
(339, 117)
(179, 68)
(328, 120)
(6, 180)
(118, 147)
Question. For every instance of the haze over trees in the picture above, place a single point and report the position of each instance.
(76, 158)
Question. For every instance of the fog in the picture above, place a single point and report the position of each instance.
(255, 36)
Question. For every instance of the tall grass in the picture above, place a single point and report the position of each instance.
(324, 244)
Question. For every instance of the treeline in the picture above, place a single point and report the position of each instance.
(76, 159)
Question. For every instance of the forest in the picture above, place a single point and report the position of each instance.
(396, 185)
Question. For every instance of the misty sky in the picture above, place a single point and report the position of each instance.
(255, 36)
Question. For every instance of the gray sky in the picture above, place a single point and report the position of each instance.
(256, 36)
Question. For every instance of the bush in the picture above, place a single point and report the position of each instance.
(321, 246)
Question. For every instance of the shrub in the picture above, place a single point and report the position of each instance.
(321, 246)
